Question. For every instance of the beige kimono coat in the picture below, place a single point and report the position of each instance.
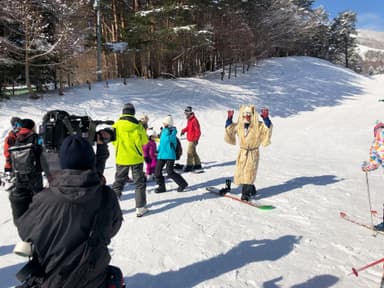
(250, 140)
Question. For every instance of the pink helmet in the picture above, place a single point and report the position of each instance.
(377, 127)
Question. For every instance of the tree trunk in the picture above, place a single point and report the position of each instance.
(32, 93)
(61, 88)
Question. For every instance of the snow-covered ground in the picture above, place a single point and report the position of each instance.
(323, 118)
(362, 50)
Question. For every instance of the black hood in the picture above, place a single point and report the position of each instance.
(78, 186)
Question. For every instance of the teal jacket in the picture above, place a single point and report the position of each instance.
(167, 146)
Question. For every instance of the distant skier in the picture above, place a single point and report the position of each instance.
(251, 133)
(376, 152)
(376, 156)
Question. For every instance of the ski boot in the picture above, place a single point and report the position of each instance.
(379, 227)
(227, 187)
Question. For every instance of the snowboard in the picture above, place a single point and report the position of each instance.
(233, 197)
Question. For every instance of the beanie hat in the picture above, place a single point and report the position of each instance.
(129, 109)
(188, 109)
(15, 122)
(27, 123)
(168, 121)
(76, 153)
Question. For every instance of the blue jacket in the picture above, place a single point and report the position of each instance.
(167, 146)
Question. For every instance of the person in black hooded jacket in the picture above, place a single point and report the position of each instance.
(61, 217)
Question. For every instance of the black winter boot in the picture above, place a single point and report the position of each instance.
(188, 168)
(253, 191)
(160, 189)
(245, 195)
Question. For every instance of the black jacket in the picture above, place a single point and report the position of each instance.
(60, 218)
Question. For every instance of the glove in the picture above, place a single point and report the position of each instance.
(230, 114)
(367, 167)
(8, 176)
(195, 142)
(182, 133)
(147, 160)
(264, 113)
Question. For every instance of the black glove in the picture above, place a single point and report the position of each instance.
(147, 160)
(196, 142)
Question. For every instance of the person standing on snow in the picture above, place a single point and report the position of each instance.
(129, 142)
(376, 152)
(166, 156)
(62, 217)
(376, 156)
(27, 168)
(9, 141)
(251, 133)
(193, 135)
(150, 154)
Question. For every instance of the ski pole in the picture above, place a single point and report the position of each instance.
(382, 279)
(369, 197)
(356, 271)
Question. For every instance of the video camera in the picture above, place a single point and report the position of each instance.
(86, 127)
(58, 124)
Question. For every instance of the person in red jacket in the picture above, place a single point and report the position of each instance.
(9, 141)
(193, 135)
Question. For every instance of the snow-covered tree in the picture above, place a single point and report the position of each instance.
(343, 39)
(28, 37)
(41, 34)
(69, 33)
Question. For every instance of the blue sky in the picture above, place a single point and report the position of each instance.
(370, 13)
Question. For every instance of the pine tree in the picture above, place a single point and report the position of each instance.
(343, 39)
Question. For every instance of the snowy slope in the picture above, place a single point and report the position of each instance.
(372, 39)
(323, 117)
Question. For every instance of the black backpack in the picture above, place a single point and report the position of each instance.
(178, 149)
(25, 157)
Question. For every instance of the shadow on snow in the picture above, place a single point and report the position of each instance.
(245, 253)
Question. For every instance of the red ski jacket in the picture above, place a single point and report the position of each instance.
(192, 129)
(9, 141)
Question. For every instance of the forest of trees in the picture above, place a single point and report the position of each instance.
(55, 41)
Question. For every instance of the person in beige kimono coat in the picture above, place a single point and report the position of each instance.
(251, 134)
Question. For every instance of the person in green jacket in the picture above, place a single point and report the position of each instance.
(130, 138)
